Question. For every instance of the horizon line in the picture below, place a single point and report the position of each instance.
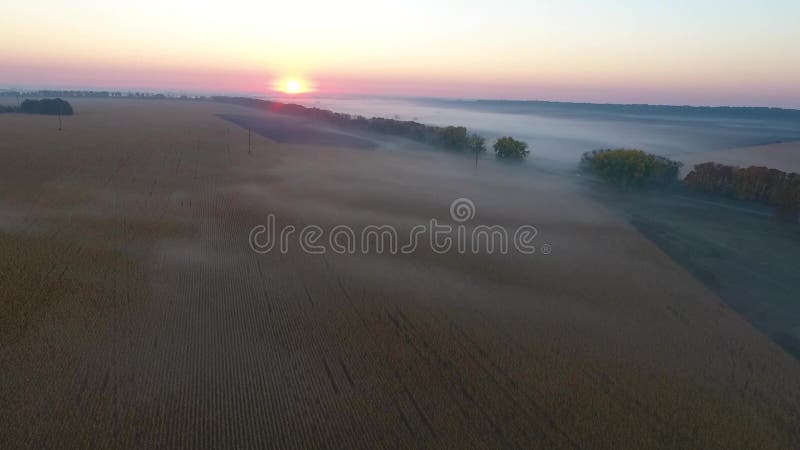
(174, 91)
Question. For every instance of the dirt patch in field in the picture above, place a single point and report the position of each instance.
(290, 130)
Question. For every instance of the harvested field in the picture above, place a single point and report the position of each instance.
(135, 313)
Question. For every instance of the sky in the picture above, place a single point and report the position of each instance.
(701, 52)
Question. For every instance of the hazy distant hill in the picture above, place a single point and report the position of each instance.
(605, 109)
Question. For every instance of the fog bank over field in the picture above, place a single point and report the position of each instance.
(560, 132)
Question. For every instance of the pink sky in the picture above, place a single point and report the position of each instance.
(700, 53)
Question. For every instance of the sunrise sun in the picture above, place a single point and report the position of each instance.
(292, 86)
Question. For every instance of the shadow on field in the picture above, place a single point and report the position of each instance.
(737, 250)
(290, 130)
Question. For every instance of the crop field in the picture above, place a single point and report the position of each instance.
(134, 313)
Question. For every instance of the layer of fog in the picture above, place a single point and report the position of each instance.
(561, 139)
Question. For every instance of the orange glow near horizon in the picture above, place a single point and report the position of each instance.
(711, 52)
(292, 86)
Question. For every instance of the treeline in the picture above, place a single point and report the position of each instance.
(757, 184)
(635, 168)
(90, 94)
(454, 138)
(631, 168)
(50, 106)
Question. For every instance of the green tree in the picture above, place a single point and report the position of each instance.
(787, 198)
(453, 137)
(476, 144)
(510, 148)
(633, 168)
(51, 106)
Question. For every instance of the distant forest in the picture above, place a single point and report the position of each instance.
(87, 94)
(48, 106)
